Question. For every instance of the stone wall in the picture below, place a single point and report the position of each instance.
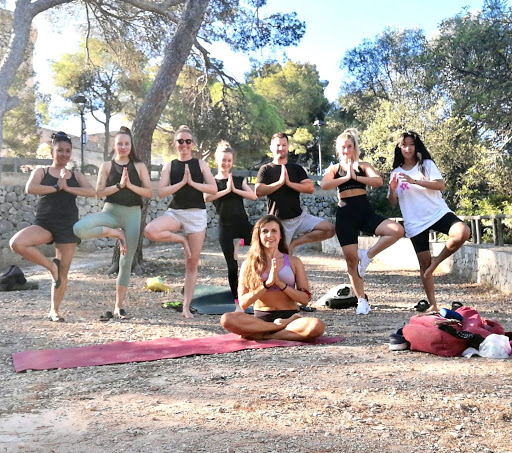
(17, 211)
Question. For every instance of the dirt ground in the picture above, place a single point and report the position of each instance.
(354, 396)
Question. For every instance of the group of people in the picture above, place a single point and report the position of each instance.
(272, 280)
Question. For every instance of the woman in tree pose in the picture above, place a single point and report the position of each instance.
(274, 283)
(355, 214)
(124, 181)
(234, 225)
(55, 216)
(416, 184)
(187, 179)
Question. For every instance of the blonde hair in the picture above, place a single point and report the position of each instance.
(350, 134)
(186, 129)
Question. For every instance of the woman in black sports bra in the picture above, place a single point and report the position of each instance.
(355, 214)
(56, 214)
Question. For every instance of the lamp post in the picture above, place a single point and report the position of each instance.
(81, 102)
(318, 124)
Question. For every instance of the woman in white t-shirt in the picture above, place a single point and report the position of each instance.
(417, 184)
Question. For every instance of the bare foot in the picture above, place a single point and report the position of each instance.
(123, 249)
(187, 313)
(186, 250)
(285, 322)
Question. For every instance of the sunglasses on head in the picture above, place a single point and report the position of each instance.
(188, 141)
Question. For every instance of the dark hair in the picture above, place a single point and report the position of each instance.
(421, 151)
(280, 135)
(123, 130)
(60, 137)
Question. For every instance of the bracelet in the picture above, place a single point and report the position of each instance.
(304, 290)
(286, 286)
(118, 185)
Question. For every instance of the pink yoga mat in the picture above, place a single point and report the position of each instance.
(144, 351)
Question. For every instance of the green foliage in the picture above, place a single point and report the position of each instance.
(472, 62)
(20, 135)
(295, 89)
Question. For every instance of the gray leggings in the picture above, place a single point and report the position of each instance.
(114, 216)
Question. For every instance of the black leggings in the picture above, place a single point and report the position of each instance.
(228, 233)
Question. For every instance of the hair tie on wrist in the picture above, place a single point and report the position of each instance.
(304, 290)
(286, 286)
(264, 285)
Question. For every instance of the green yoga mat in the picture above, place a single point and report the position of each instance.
(213, 300)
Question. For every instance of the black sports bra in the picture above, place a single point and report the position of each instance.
(351, 183)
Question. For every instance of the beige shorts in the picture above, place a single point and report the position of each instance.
(298, 226)
(192, 220)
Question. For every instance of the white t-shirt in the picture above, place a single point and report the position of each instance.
(421, 207)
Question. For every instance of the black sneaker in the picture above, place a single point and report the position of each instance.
(397, 342)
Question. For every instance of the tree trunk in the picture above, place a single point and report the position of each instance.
(24, 13)
(175, 56)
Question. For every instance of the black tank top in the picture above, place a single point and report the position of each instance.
(59, 205)
(124, 196)
(187, 197)
(230, 207)
(351, 183)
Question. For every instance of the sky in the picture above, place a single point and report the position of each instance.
(332, 28)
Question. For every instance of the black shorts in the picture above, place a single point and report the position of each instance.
(62, 232)
(357, 215)
(271, 316)
(420, 241)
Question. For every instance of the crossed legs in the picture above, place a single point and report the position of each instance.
(294, 328)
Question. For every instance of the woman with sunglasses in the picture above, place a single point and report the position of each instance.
(234, 225)
(186, 179)
(56, 213)
(416, 183)
(124, 181)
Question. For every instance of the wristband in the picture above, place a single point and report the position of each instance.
(304, 290)
(265, 286)
(285, 286)
(118, 185)
(56, 186)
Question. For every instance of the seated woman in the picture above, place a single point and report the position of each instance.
(274, 283)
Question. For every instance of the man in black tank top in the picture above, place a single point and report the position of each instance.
(283, 182)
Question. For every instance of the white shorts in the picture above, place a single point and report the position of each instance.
(298, 226)
(192, 220)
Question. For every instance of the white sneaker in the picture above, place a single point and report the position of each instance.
(363, 307)
(364, 262)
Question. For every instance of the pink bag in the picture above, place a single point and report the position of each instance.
(424, 335)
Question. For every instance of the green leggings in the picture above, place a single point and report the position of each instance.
(114, 216)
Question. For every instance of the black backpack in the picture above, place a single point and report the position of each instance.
(11, 277)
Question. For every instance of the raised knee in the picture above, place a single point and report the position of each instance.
(149, 233)
(78, 230)
(13, 243)
(315, 328)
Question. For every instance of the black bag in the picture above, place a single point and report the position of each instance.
(12, 276)
(343, 298)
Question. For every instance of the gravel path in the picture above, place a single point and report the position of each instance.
(355, 396)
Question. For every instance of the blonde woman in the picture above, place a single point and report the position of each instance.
(187, 179)
(234, 225)
(354, 213)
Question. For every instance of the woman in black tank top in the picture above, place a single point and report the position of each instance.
(56, 214)
(186, 178)
(124, 181)
(355, 214)
(233, 222)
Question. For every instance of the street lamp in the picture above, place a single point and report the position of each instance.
(318, 124)
(81, 102)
